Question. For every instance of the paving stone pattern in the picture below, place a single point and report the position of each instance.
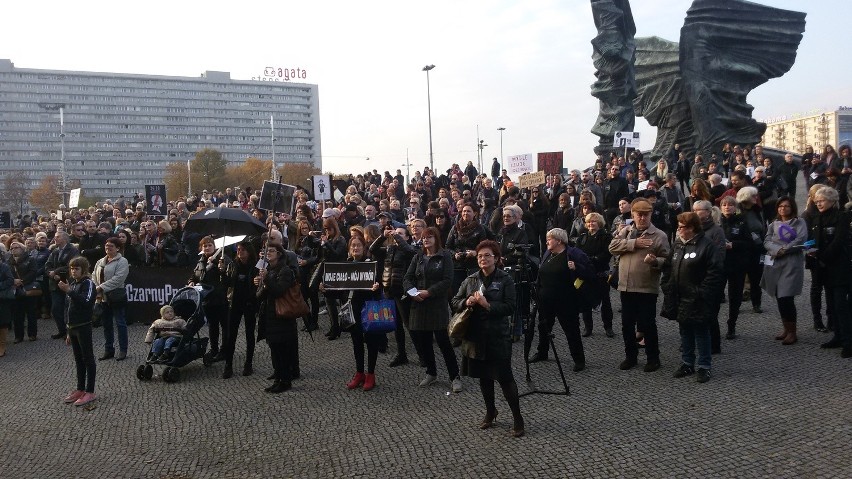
(769, 411)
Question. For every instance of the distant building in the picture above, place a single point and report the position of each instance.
(121, 130)
(816, 128)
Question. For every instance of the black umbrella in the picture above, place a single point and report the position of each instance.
(224, 222)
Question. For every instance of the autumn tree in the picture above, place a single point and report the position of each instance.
(46, 196)
(298, 174)
(176, 179)
(208, 170)
(250, 173)
(16, 190)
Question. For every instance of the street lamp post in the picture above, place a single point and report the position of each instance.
(407, 166)
(482, 146)
(63, 178)
(501, 130)
(426, 69)
(272, 143)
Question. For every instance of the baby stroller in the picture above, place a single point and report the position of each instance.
(191, 346)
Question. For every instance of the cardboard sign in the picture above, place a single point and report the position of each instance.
(531, 179)
(517, 165)
(550, 163)
(155, 200)
(277, 196)
(74, 198)
(351, 275)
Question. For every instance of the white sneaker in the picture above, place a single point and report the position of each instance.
(457, 385)
(429, 379)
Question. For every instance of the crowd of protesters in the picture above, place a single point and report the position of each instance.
(443, 242)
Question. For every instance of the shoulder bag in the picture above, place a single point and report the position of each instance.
(292, 305)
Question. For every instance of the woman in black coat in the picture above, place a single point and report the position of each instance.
(307, 248)
(431, 274)
(332, 250)
(462, 241)
(207, 271)
(831, 262)
(739, 247)
(281, 334)
(692, 282)
(239, 276)
(595, 243)
(487, 345)
(25, 271)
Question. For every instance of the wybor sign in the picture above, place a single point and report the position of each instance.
(349, 275)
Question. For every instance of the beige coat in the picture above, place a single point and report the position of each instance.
(634, 275)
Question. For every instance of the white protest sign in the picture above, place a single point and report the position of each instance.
(625, 139)
(74, 198)
(519, 164)
(322, 187)
(643, 185)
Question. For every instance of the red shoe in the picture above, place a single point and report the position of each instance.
(369, 382)
(75, 395)
(357, 380)
(86, 398)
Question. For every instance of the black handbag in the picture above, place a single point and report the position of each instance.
(117, 296)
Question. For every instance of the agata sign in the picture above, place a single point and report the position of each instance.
(281, 74)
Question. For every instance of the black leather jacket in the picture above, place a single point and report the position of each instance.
(395, 259)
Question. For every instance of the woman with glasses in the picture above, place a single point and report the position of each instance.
(784, 264)
(487, 344)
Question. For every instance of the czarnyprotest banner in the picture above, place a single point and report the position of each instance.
(353, 275)
(156, 200)
(149, 289)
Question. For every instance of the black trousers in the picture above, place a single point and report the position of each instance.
(25, 309)
(548, 312)
(239, 309)
(284, 352)
(84, 357)
(817, 286)
(402, 308)
(754, 269)
(312, 297)
(639, 311)
(373, 340)
(217, 319)
(427, 353)
(736, 282)
(606, 308)
(842, 317)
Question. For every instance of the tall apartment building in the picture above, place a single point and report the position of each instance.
(121, 130)
(816, 128)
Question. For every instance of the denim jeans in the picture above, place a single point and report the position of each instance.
(117, 313)
(695, 336)
(164, 344)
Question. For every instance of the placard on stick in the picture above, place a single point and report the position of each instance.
(531, 179)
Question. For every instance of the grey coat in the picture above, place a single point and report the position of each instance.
(434, 274)
(785, 277)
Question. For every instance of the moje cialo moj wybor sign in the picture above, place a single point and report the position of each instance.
(354, 275)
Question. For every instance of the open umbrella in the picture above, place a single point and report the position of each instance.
(224, 222)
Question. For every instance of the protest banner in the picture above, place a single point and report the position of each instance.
(550, 163)
(353, 275)
(322, 187)
(517, 165)
(74, 198)
(279, 195)
(155, 196)
(531, 179)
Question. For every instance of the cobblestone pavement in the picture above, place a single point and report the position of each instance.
(769, 411)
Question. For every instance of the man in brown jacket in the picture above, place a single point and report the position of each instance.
(642, 250)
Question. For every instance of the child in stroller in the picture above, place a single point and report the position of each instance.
(167, 331)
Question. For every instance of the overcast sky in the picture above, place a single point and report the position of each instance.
(525, 66)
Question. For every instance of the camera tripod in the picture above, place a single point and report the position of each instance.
(527, 313)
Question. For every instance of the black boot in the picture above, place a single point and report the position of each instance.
(732, 330)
